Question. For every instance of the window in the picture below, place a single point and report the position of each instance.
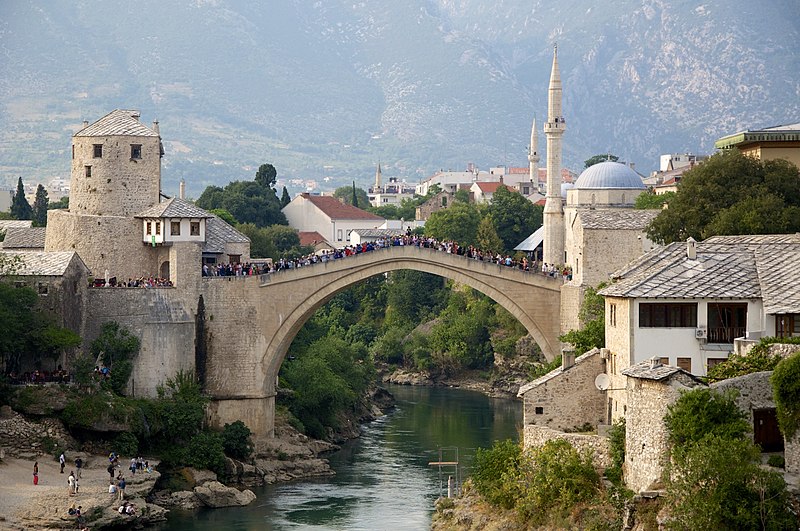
(149, 227)
(98, 151)
(136, 151)
(158, 228)
(787, 325)
(339, 235)
(538, 410)
(667, 315)
(175, 228)
(612, 314)
(685, 364)
(234, 258)
(88, 171)
(194, 228)
(664, 360)
(726, 322)
(42, 288)
(713, 362)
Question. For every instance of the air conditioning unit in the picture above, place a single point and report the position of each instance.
(701, 333)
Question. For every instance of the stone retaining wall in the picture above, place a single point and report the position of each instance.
(597, 445)
(22, 437)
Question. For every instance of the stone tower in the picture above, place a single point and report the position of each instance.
(533, 155)
(116, 166)
(553, 209)
(378, 179)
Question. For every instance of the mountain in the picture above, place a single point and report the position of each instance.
(327, 88)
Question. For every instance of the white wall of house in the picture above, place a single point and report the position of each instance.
(304, 216)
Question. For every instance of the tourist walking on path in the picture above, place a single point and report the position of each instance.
(62, 461)
(71, 483)
(36, 473)
(121, 489)
(78, 467)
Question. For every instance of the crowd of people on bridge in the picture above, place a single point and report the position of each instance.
(141, 282)
(523, 263)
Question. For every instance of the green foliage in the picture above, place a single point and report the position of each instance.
(488, 240)
(459, 222)
(412, 296)
(247, 201)
(597, 159)
(83, 370)
(461, 195)
(20, 208)
(116, 346)
(285, 198)
(205, 450)
(224, 215)
(702, 412)
(236, 440)
(491, 470)
(266, 175)
(732, 194)
(776, 461)
(545, 368)
(514, 217)
(717, 483)
(757, 359)
(389, 347)
(180, 410)
(126, 443)
(786, 390)
(40, 205)
(554, 477)
(616, 439)
(6, 390)
(61, 204)
(651, 201)
(345, 194)
(261, 245)
(83, 409)
(460, 340)
(592, 314)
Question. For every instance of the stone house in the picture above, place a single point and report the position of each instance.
(314, 240)
(650, 388)
(329, 217)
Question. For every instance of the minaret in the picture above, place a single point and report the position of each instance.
(553, 209)
(378, 179)
(533, 156)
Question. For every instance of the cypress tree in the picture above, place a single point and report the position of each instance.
(355, 197)
(40, 207)
(285, 199)
(20, 208)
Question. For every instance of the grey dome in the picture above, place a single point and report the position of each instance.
(609, 175)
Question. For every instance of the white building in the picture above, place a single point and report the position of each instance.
(329, 217)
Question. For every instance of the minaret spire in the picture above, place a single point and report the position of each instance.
(378, 178)
(533, 155)
(553, 209)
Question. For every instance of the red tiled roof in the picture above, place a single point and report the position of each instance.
(518, 171)
(335, 209)
(490, 188)
(541, 202)
(310, 238)
(566, 175)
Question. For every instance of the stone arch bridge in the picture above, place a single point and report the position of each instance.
(250, 322)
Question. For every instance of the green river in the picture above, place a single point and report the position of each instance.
(383, 479)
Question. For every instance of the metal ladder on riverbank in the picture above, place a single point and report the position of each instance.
(449, 471)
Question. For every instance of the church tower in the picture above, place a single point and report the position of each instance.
(553, 209)
(533, 156)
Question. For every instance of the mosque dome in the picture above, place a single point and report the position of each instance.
(609, 174)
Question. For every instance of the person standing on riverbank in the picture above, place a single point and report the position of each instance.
(62, 461)
(71, 483)
(36, 473)
(78, 467)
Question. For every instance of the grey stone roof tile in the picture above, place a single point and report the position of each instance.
(218, 233)
(119, 122)
(623, 218)
(24, 238)
(40, 263)
(174, 208)
(6, 224)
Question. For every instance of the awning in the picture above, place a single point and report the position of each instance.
(532, 242)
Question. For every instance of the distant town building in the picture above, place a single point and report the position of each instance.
(779, 142)
(328, 216)
(6, 197)
(391, 193)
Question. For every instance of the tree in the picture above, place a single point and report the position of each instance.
(592, 314)
(224, 215)
(285, 199)
(354, 199)
(40, 206)
(487, 237)
(266, 175)
(261, 245)
(786, 389)
(283, 238)
(731, 194)
(20, 208)
(591, 161)
(458, 223)
(514, 217)
(61, 204)
(116, 346)
(649, 200)
(247, 201)
(461, 195)
(345, 195)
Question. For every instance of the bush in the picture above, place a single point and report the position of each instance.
(777, 461)
(236, 440)
(786, 389)
(554, 477)
(756, 360)
(490, 471)
(703, 412)
(205, 450)
(616, 439)
(126, 444)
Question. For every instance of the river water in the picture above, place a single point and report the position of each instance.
(383, 479)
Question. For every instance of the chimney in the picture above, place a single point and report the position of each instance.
(691, 248)
(654, 362)
(567, 359)
(182, 188)
(155, 127)
(86, 123)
